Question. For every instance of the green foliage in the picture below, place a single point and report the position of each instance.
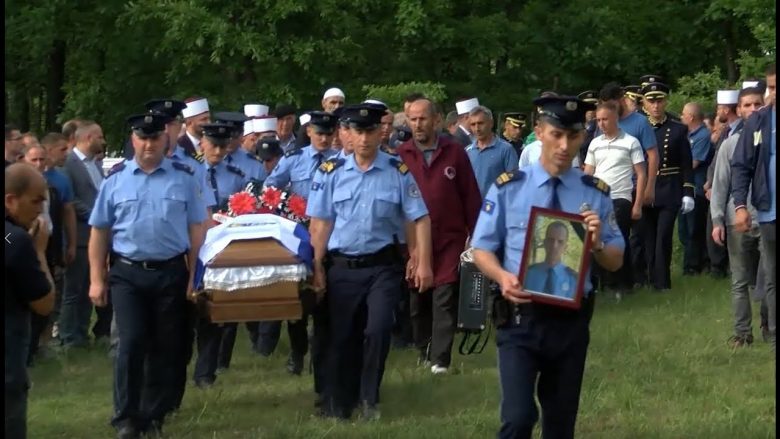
(393, 95)
(701, 87)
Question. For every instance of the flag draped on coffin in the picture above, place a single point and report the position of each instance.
(290, 234)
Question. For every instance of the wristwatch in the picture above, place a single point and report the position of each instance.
(599, 248)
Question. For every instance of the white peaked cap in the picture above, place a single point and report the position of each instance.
(728, 97)
(748, 84)
(333, 92)
(255, 110)
(265, 124)
(249, 127)
(195, 108)
(464, 107)
(304, 119)
(375, 102)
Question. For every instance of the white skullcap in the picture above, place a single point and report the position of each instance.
(265, 124)
(375, 102)
(728, 97)
(195, 108)
(249, 127)
(748, 84)
(463, 107)
(333, 92)
(304, 119)
(255, 110)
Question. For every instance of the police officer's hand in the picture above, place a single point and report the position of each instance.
(593, 222)
(423, 277)
(511, 289)
(98, 293)
(742, 220)
(319, 283)
(411, 267)
(719, 235)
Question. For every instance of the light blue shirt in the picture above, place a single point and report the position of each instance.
(766, 216)
(366, 207)
(503, 220)
(224, 181)
(243, 160)
(700, 151)
(297, 168)
(490, 162)
(563, 282)
(180, 155)
(149, 214)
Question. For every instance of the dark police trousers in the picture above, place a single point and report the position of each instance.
(150, 307)
(659, 229)
(17, 383)
(361, 303)
(637, 248)
(550, 344)
(266, 336)
(691, 229)
(187, 339)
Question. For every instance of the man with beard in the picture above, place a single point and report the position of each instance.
(196, 114)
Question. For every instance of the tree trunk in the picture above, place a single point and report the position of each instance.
(732, 71)
(55, 97)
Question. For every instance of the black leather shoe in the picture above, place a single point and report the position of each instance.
(203, 383)
(127, 432)
(369, 412)
(154, 429)
(295, 364)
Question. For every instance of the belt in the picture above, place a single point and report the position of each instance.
(150, 265)
(537, 309)
(386, 256)
(668, 171)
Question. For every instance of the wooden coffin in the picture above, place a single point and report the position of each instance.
(253, 311)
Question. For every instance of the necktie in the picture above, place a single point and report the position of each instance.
(556, 202)
(319, 158)
(548, 282)
(213, 180)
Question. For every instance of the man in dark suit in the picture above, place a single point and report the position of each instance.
(85, 176)
(463, 133)
(196, 114)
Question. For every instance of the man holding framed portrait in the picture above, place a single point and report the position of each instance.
(540, 339)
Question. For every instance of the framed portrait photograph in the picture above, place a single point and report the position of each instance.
(556, 258)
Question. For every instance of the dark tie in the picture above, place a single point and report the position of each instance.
(319, 158)
(213, 180)
(556, 202)
(549, 285)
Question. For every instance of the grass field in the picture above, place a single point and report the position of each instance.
(658, 367)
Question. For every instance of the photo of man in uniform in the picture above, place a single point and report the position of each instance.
(552, 276)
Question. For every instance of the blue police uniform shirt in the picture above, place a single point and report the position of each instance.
(149, 214)
(60, 182)
(243, 160)
(180, 155)
(492, 161)
(700, 151)
(767, 216)
(503, 219)
(229, 179)
(563, 279)
(365, 206)
(297, 169)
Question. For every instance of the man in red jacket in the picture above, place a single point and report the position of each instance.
(443, 173)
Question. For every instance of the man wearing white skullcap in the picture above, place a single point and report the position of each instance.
(463, 135)
(196, 114)
(332, 99)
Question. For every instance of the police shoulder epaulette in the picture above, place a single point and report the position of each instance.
(235, 170)
(295, 151)
(597, 183)
(197, 156)
(330, 165)
(116, 168)
(179, 166)
(506, 177)
(401, 166)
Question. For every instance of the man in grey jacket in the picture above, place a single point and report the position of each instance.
(743, 248)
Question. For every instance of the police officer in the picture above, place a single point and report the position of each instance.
(537, 340)
(633, 97)
(591, 97)
(236, 155)
(552, 276)
(355, 207)
(296, 170)
(673, 186)
(224, 180)
(514, 123)
(148, 215)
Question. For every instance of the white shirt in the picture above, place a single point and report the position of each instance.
(95, 173)
(195, 141)
(533, 151)
(614, 160)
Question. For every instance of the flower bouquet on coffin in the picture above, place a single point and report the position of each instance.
(257, 199)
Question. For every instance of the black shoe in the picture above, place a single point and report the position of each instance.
(203, 383)
(369, 412)
(154, 429)
(319, 400)
(127, 432)
(221, 369)
(295, 364)
(262, 351)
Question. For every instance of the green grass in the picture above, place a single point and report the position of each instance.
(658, 367)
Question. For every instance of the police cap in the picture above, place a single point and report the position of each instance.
(268, 148)
(567, 112)
(591, 96)
(363, 116)
(655, 90)
(218, 133)
(283, 110)
(516, 119)
(148, 125)
(171, 107)
(648, 79)
(633, 92)
(323, 122)
(234, 119)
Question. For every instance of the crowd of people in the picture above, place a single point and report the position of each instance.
(394, 199)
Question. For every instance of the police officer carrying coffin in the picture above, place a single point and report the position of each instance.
(148, 215)
(355, 207)
(537, 340)
(296, 170)
(224, 180)
(673, 186)
(238, 156)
